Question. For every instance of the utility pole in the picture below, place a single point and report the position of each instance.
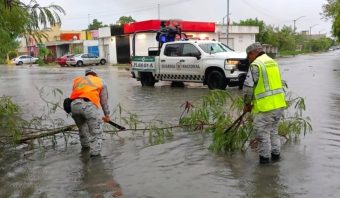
(228, 21)
(88, 26)
(159, 11)
(222, 25)
(295, 22)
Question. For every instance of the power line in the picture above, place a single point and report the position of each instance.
(260, 10)
(127, 11)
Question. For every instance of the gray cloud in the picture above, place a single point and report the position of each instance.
(277, 13)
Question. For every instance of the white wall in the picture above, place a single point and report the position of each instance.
(110, 52)
(242, 41)
(113, 50)
(143, 42)
(88, 43)
(239, 38)
(104, 32)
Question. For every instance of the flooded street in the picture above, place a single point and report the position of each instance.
(183, 166)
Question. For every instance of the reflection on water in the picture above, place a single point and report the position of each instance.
(96, 180)
(183, 166)
(267, 182)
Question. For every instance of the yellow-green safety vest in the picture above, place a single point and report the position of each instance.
(268, 92)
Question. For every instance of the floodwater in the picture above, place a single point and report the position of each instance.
(183, 166)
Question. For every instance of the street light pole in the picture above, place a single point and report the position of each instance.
(295, 22)
(222, 27)
(159, 10)
(228, 20)
(310, 29)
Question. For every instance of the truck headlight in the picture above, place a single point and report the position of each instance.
(230, 64)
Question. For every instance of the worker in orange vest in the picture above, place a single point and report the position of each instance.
(88, 94)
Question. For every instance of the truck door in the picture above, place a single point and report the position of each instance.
(169, 61)
(190, 61)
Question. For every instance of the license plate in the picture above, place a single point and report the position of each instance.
(234, 80)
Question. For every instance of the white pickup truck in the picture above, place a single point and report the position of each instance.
(209, 62)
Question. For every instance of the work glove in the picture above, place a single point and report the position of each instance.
(106, 118)
(247, 108)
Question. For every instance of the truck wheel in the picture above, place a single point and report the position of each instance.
(147, 79)
(242, 78)
(177, 84)
(216, 80)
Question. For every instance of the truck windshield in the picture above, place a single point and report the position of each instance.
(214, 48)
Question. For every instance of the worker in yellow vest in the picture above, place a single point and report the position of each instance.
(89, 93)
(265, 98)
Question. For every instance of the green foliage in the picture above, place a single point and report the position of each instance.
(96, 25)
(125, 19)
(43, 53)
(219, 109)
(213, 114)
(77, 50)
(12, 54)
(331, 10)
(159, 135)
(12, 23)
(316, 45)
(285, 39)
(10, 121)
(21, 20)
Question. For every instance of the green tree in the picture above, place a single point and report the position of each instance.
(316, 45)
(270, 36)
(95, 25)
(12, 24)
(18, 19)
(286, 39)
(331, 10)
(125, 19)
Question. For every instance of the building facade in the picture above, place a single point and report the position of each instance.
(118, 44)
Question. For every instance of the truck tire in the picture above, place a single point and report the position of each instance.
(216, 80)
(177, 84)
(147, 79)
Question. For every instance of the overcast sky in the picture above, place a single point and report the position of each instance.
(273, 12)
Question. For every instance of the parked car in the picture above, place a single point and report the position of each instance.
(24, 59)
(62, 60)
(85, 59)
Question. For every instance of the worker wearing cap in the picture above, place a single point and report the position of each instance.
(265, 98)
(89, 93)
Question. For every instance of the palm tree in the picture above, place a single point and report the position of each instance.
(38, 16)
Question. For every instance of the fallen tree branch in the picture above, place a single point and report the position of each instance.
(41, 135)
(72, 128)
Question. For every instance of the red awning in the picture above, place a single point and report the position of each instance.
(69, 36)
(154, 25)
(142, 26)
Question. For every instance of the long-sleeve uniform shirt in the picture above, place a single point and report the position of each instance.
(104, 99)
(250, 83)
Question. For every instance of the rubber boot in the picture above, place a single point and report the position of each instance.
(275, 157)
(264, 160)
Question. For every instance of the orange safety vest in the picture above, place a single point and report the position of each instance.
(87, 87)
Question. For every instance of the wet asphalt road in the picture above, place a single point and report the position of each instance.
(183, 166)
